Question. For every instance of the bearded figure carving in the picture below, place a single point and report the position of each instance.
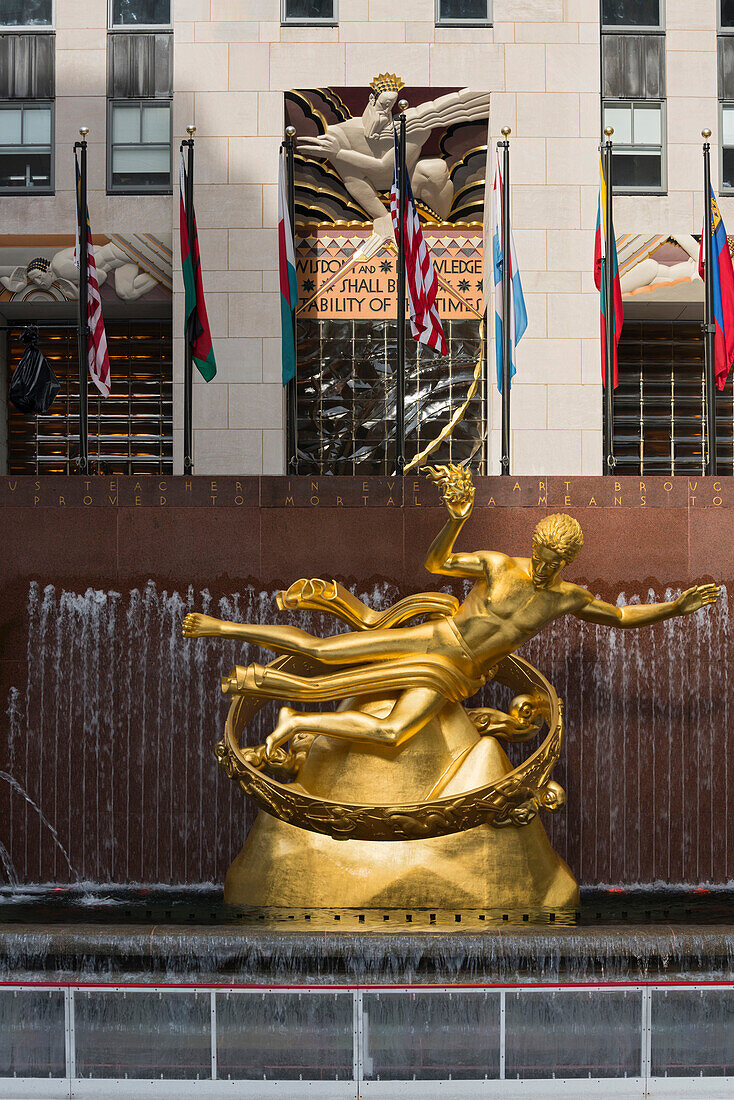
(362, 150)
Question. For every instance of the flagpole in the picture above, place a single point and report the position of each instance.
(83, 298)
(506, 302)
(709, 327)
(188, 351)
(609, 314)
(291, 391)
(400, 377)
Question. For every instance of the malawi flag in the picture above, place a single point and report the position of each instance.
(600, 259)
(196, 323)
(288, 282)
(723, 296)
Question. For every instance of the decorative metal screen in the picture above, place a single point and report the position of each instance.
(130, 432)
(346, 397)
(660, 403)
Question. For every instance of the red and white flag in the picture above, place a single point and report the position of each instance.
(99, 363)
(421, 281)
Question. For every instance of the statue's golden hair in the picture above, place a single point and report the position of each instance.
(560, 533)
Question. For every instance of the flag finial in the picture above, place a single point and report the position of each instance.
(191, 130)
(608, 131)
(705, 134)
(402, 105)
(83, 131)
(505, 131)
(290, 131)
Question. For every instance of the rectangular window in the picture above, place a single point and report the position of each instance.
(463, 12)
(139, 157)
(26, 13)
(633, 14)
(140, 13)
(638, 145)
(309, 11)
(26, 145)
(726, 15)
(726, 129)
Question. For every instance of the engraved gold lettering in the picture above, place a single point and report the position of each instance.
(339, 502)
(542, 500)
(86, 500)
(617, 500)
(717, 501)
(239, 500)
(137, 502)
(314, 501)
(592, 503)
(162, 500)
(667, 485)
(289, 500)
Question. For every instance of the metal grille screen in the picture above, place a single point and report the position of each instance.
(346, 397)
(130, 432)
(660, 403)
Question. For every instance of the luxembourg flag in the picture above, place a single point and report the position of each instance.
(288, 282)
(518, 319)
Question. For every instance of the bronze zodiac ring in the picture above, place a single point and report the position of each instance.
(515, 799)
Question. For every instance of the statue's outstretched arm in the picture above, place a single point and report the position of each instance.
(604, 614)
(458, 494)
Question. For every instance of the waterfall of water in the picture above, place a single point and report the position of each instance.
(112, 776)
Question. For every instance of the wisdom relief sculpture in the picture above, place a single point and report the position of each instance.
(361, 149)
(431, 810)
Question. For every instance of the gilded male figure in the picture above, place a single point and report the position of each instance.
(446, 657)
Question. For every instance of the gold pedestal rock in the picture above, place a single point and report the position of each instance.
(480, 868)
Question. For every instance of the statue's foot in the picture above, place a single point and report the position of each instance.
(282, 732)
(201, 626)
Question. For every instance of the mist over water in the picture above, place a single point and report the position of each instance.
(112, 777)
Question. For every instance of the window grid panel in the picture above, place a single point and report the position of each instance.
(660, 404)
(130, 432)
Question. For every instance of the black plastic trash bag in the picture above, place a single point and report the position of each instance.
(34, 386)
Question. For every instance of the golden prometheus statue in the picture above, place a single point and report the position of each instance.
(401, 796)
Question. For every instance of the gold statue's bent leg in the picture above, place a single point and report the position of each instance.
(413, 709)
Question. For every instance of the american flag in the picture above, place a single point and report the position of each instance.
(421, 281)
(99, 363)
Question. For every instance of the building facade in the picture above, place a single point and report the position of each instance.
(137, 72)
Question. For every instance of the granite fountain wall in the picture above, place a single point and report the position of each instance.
(107, 772)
